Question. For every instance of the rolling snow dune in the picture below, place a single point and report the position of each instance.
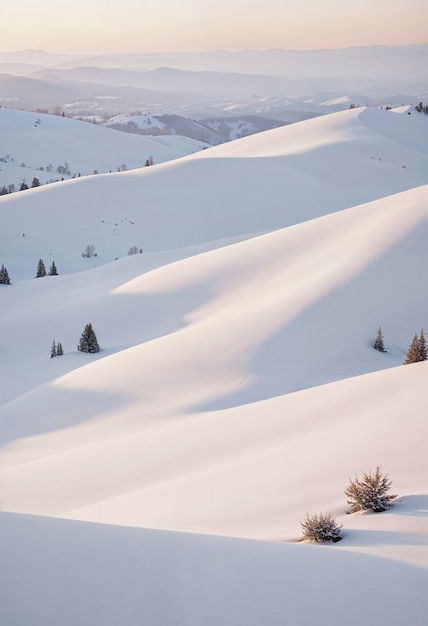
(96, 574)
(35, 144)
(236, 389)
(215, 195)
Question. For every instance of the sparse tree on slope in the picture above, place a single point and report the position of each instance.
(53, 349)
(59, 350)
(417, 350)
(370, 493)
(423, 351)
(88, 340)
(89, 251)
(53, 271)
(378, 342)
(41, 269)
(4, 276)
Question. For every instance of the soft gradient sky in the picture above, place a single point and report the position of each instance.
(91, 26)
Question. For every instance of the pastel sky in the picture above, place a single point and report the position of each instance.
(92, 26)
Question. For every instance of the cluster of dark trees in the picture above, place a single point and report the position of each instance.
(11, 188)
(56, 349)
(41, 269)
(88, 342)
(417, 351)
(4, 276)
(421, 108)
(134, 250)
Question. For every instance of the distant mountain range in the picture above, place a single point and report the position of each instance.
(282, 85)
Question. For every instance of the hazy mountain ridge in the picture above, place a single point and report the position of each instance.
(368, 60)
(203, 84)
(211, 131)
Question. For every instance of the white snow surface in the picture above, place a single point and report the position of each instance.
(236, 388)
(36, 144)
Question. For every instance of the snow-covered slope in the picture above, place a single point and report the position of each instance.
(97, 574)
(237, 387)
(259, 183)
(36, 145)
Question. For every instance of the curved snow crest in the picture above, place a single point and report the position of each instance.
(253, 321)
(314, 168)
(230, 472)
(353, 125)
(356, 236)
(207, 323)
(132, 576)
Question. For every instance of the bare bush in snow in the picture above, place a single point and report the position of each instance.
(370, 493)
(321, 528)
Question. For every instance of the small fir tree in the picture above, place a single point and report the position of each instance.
(4, 276)
(53, 271)
(378, 342)
(88, 340)
(41, 269)
(59, 350)
(423, 351)
(417, 350)
(53, 349)
(413, 351)
(370, 493)
(35, 182)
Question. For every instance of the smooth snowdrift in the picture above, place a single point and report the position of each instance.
(98, 574)
(36, 145)
(295, 173)
(237, 387)
(201, 327)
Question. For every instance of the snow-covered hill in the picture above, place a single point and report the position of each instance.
(51, 148)
(236, 389)
(212, 131)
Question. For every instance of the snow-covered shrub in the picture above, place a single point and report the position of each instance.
(321, 528)
(370, 493)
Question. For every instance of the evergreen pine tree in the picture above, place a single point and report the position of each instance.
(413, 352)
(54, 350)
(59, 350)
(41, 270)
(4, 276)
(88, 340)
(378, 343)
(53, 271)
(423, 351)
